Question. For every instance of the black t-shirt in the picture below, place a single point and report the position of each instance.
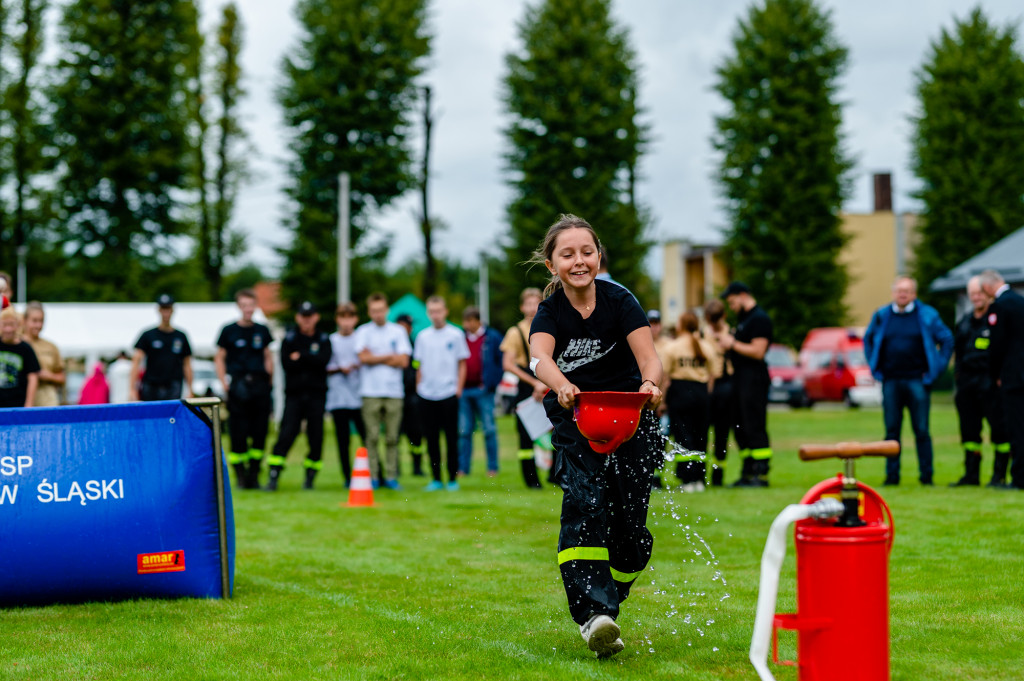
(17, 361)
(308, 373)
(751, 324)
(245, 346)
(593, 353)
(165, 353)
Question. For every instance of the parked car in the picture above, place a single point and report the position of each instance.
(204, 379)
(835, 368)
(787, 383)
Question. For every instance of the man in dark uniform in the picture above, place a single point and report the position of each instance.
(1006, 315)
(305, 353)
(746, 349)
(168, 358)
(976, 395)
(243, 353)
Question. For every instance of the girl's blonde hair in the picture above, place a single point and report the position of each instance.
(547, 247)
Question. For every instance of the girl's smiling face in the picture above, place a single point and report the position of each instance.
(575, 258)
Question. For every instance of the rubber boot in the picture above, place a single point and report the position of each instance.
(240, 475)
(252, 474)
(747, 476)
(972, 470)
(717, 475)
(275, 474)
(310, 476)
(760, 469)
(529, 467)
(417, 465)
(999, 469)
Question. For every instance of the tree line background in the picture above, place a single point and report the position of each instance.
(121, 159)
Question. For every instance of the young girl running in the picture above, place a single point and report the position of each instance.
(589, 336)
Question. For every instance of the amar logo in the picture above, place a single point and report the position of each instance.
(163, 561)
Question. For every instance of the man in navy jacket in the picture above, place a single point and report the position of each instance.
(907, 347)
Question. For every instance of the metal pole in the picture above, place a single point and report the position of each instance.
(485, 303)
(344, 273)
(22, 275)
(211, 406)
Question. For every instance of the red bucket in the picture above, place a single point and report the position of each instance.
(608, 418)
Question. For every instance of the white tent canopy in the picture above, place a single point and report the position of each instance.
(102, 330)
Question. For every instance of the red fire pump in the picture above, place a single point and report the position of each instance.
(843, 536)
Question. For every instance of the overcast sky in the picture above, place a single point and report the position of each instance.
(678, 45)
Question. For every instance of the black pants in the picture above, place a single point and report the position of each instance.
(301, 407)
(751, 399)
(973, 405)
(1013, 408)
(250, 417)
(153, 392)
(412, 422)
(722, 415)
(604, 544)
(343, 420)
(689, 411)
(527, 462)
(437, 416)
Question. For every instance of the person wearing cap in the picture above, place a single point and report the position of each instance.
(746, 348)
(483, 374)
(305, 352)
(412, 424)
(243, 354)
(168, 360)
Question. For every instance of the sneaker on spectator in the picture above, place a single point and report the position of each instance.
(602, 635)
(453, 486)
(392, 484)
(434, 486)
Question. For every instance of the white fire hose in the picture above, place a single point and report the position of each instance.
(771, 566)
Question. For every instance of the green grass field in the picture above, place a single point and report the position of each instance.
(464, 585)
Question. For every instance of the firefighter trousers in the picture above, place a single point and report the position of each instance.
(604, 543)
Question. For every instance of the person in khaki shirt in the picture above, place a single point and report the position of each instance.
(51, 373)
(690, 365)
(515, 350)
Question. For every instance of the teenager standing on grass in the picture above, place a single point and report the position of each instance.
(588, 336)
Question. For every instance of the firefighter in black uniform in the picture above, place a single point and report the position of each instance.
(305, 352)
(746, 350)
(243, 353)
(977, 396)
(168, 360)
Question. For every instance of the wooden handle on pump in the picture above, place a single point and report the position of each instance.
(849, 450)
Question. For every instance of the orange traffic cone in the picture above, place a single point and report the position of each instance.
(360, 491)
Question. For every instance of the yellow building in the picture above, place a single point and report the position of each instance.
(880, 247)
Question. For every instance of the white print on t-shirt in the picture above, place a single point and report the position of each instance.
(586, 349)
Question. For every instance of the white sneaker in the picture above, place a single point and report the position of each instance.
(686, 487)
(698, 486)
(602, 635)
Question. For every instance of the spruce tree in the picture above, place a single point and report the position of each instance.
(121, 113)
(968, 143)
(783, 169)
(348, 98)
(574, 140)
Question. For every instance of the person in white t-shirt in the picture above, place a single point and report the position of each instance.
(383, 349)
(343, 400)
(441, 352)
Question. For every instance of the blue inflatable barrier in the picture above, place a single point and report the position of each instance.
(110, 502)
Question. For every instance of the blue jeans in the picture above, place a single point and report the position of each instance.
(477, 403)
(909, 393)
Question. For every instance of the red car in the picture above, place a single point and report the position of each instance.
(835, 368)
(787, 378)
